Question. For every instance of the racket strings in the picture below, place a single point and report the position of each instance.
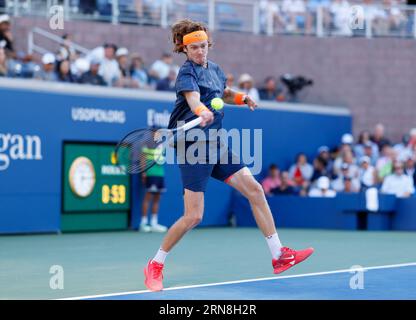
(136, 152)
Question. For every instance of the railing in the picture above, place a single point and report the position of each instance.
(259, 17)
(32, 47)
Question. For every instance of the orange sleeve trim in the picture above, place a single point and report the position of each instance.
(199, 109)
(238, 98)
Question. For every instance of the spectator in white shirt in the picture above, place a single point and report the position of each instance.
(368, 174)
(160, 68)
(398, 183)
(322, 189)
(246, 84)
(109, 68)
(345, 182)
(340, 9)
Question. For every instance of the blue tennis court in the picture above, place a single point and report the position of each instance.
(381, 283)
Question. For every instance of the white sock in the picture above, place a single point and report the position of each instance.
(160, 256)
(274, 245)
(153, 221)
(144, 220)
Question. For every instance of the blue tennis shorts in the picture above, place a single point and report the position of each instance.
(220, 165)
(155, 184)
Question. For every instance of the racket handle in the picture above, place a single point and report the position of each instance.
(191, 124)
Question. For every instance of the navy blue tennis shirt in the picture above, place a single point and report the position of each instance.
(210, 82)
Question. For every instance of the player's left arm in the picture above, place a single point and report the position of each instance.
(233, 97)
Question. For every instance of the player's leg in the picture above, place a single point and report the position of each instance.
(194, 208)
(244, 182)
(194, 178)
(144, 223)
(283, 258)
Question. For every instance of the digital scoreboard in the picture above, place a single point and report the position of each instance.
(94, 187)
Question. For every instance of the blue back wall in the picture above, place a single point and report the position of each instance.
(30, 190)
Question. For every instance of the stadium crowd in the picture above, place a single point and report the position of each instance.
(109, 65)
(372, 161)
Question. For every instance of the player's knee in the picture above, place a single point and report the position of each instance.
(255, 192)
(193, 220)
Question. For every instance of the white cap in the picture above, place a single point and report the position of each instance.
(122, 52)
(4, 18)
(48, 58)
(245, 77)
(412, 132)
(323, 183)
(82, 65)
(365, 159)
(347, 138)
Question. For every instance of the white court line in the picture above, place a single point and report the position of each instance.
(246, 281)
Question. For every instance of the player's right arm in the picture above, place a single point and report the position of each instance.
(193, 98)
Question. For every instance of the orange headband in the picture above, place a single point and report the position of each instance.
(195, 36)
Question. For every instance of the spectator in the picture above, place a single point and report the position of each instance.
(295, 12)
(384, 164)
(348, 158)
(363, 141)
(92, 76)
(29, 67)
(312, 7)
(398, 183)
(286, 185)
(319, 169)
(3, 63)
(246, 84)
(368, 174)
(272, 181)
(81, 66)
(346, 149)
(138, 72)
(125, 80)
(270, 13)
(47, 73)
(160, 68)
(109, 69)
(322, 189)
(345, 182)
(378, 136)
(371, 151)
(230, 82)
(66, 50)
(403, 149)
(167, 84)
(410, 169)
(325, 157)
(6, 38)
(340, 10)
(64, 72)
(301, 172)
(270, 91)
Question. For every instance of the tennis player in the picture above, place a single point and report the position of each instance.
(199, 81)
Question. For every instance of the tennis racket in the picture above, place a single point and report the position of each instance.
(141, 149)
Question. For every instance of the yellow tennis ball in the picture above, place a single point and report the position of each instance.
(217, 103)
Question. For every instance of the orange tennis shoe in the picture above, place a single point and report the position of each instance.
(153, 276)
(289, 258)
